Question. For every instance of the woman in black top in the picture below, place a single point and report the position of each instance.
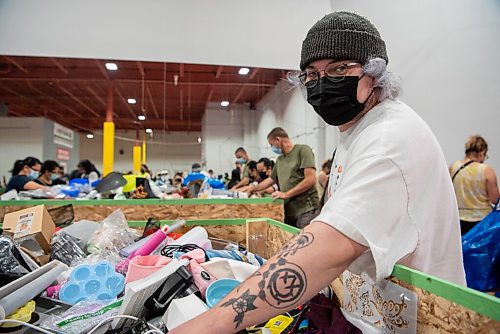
(21, 179)
(48, 173)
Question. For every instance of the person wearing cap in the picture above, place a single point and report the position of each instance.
(388, 200)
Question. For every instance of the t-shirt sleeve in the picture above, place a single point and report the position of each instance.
(20, 181)
(245, 171)
(307, 158)
(370, 206)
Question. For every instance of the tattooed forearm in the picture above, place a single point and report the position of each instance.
(281, 283)
(300, 241)
(241, 305)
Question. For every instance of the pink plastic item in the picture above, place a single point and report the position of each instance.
(195, 254)
(201, 277)
(142, 266)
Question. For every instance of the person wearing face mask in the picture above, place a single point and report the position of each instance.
(22, 177)
(265, 168)
(35, 166)
(48, 173)
(243, 158)
(475, 184)
(389, 199)
(295, 175)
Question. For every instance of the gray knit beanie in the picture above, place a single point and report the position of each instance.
(342, 36)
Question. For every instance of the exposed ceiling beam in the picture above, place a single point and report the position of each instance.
(102, 69)
(77, 99)
(209, 97)
(237, 97)
(150, 81)
(124, 100)
(150, 97)
(181, 70)
(98, 98)
(219, 72)
(146, 123)
(32, 87)
(254, 73)
(59, 65)
(23, 97)
(16, 64)
(140, 67)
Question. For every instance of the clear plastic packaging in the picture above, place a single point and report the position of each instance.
(65, 249)
(112, 235)
(82, 317)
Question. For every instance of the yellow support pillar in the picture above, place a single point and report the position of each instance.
(108, 135)
(137, 159)
(108, 147)
(144, 149)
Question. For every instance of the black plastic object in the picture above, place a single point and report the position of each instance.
(138, 326)
(141, 181)
(112, 181)
(179, 284)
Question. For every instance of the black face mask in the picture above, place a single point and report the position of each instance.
(335, 100)
(263, 175)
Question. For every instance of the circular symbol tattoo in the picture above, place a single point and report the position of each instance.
(286, 286)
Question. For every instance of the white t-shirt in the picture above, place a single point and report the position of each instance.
(390, 190)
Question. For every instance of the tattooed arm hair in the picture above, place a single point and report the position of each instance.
(305, 265)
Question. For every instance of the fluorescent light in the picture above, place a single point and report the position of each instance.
(141, 117)
(149, 130)
(111, 66)
(224, 103)
(131, 101)
(199, 139)
(244, 71)
(90, 135)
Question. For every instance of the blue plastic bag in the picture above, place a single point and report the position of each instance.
(481, 250)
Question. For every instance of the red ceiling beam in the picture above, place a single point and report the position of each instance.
(77, 100)
(150, 97)
(150, 81)
(219, 72)
(30, 85)
(101, 68)
(16, 64)
(124, 100)
(59, 65)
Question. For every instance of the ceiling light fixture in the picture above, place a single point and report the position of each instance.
(244, 71)
(224, 103)
(111, 66)
(199, 140)
(141, 117)
(90, 135)
(131, 101)
(148, 130)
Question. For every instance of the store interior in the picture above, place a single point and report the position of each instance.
(154, 127)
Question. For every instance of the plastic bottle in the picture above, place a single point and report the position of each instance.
(205, 190)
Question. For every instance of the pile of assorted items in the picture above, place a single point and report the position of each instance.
(119, 186)
(105, 277)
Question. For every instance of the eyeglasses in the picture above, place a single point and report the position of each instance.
(331, 70)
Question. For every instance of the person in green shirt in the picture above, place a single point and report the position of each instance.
(243, 158)
(295, 174)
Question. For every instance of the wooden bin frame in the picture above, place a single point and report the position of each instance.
(443, 307)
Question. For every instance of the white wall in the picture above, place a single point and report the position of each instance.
(30, 136)
(287, 107)
(19, 138)
(177, 151)
(222, 134)
(448, 54)
(257, 33)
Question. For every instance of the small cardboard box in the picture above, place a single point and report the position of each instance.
(35, 224)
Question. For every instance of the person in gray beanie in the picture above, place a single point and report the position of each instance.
(389, 199)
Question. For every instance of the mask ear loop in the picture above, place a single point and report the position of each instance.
(373, 89)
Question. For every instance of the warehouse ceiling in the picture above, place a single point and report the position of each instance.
(172, 96)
